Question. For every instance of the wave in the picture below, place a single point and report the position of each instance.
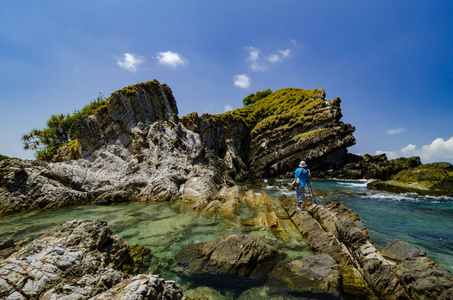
(408, 197)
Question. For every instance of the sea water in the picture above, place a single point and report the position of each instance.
(426, 222)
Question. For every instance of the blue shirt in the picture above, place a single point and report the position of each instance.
(303, 175)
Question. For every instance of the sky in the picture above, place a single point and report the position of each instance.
(390, 62)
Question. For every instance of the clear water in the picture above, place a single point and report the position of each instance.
(426, 222)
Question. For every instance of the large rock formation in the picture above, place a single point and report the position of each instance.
(270, 137)
(78, 260)
(132, 148)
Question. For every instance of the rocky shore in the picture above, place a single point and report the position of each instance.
(136, 148)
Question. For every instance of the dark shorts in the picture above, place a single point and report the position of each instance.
(300, 194)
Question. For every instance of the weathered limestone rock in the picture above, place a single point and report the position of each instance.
(131, 149)
(77, 260)
(234, 259)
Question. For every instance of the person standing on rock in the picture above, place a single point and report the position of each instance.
(302, 174)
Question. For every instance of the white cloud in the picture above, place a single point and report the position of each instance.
(227, 108)
(285, 53)
(254, 58)
(259, 64)
(171, 59)
(390, 154)
(293, 41)
(242, 81)
(438, 150)
(395, 131)
(273, 58)
(254, 54)
(130, 62)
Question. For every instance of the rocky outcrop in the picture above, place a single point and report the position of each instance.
(430, 179)
(398, 272)
(132, 148)
(234, 259)
(270, 137)
(368, 167)
(78, 260)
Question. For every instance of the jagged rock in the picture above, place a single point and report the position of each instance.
(367, 166)
(422, 278)
(143, 286)
(131, 149)
(430, 179)
(315, 276)
(235, 259)
(77, 259)
(270, 137)
(400, 271)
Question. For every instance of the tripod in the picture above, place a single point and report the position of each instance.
(310, 190)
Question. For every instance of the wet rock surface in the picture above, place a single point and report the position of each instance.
(78, 260)
(234, 259)
(400, 271)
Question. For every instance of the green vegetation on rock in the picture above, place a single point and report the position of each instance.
(429, 179)
(47, 141)
(252, 98)
(3, 157)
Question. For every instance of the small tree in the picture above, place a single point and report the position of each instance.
(252, 98)
(47, 141)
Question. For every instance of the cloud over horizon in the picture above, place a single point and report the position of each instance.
(242, 81)
(439, 150)
(130, 62)
(171, 59)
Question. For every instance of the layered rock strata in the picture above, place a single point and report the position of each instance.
(78, 260)
(270, 137)
(132, 148)
(399, 272)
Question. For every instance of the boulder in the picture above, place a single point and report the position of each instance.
(315, 276)
(234, 259)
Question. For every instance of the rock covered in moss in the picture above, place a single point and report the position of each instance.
(270, 137)
(429, 179)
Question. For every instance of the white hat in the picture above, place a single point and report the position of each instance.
(302, 164)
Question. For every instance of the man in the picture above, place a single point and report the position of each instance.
(302, 174)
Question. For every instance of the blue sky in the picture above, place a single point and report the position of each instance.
(390, 62)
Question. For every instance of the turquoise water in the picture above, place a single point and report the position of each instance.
(426, 222)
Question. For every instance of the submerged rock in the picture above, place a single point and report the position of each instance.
(234, 259)
(315, 276)
(81, 260)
